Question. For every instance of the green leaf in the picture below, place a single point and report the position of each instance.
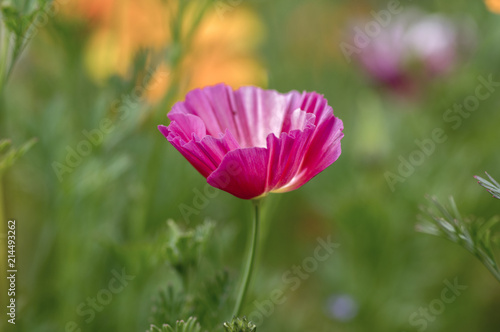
(191, 325)
(473, 235)
(185, 246)
(4, 144)
(17, 21)
(16, 18)
(492, 186)
(168, 306)
(12, 19)
(240, 325)
(212, 300)
(9, 157)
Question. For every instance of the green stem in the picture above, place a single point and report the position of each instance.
(250, 261)
(4, 56)
(2, 212)
(491, 266)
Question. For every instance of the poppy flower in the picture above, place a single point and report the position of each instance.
(250, 142)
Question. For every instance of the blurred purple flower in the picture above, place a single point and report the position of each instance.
(413, 47)
(342, 307)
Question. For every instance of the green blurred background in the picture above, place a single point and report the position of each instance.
(109, 212)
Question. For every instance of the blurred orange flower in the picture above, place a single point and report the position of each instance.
(119, 29)
(493, 5)
(96, 12)
(223, 48)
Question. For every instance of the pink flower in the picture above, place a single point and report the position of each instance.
(414, 48)
(251, 141)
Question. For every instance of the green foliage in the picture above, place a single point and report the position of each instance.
(168, 306)
(9, 155)
(17, 21)
(472, 234)
(240, 325)
(202, 293)
(213, 299)
(16, 18)
(191, 325)
(492, 186)
(184, 247)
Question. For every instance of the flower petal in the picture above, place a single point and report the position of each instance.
(316, 104)
(323, 150)
(212, 150)
(205, 154)
(287, 152)
(262, 112)
(200, 165)
(242, 173)
(184, 125)
(285, 156)
(215, 107)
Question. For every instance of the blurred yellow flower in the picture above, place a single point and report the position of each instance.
(223, 50)
(159, 83)
(493, 5)
(106, 55)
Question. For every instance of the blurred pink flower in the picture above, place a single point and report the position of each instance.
(414, 46)
(251, 141)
